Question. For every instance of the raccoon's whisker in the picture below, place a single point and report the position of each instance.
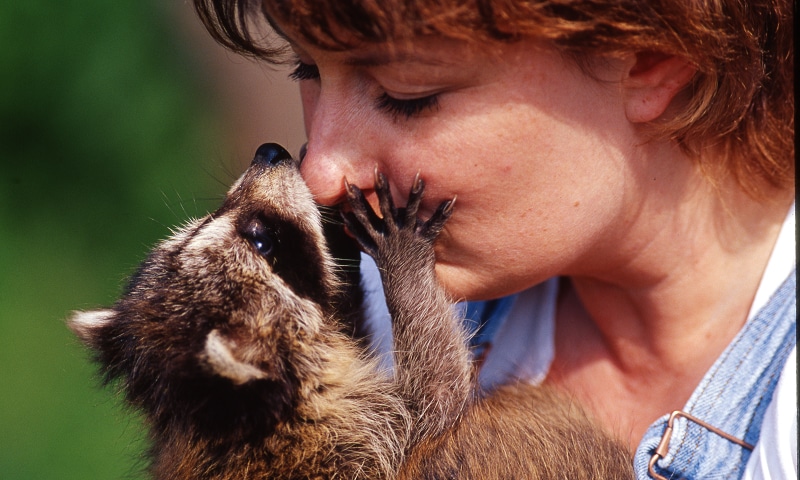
(227, 172)
(346, 262)
(181, 203)
(168, 204)
(161, 224)
(331, 214)
(333, 220)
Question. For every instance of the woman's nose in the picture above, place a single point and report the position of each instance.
(339, 147)
(324, 174)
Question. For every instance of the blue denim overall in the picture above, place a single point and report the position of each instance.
(732, 397)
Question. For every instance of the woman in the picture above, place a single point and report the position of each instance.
(624, 171)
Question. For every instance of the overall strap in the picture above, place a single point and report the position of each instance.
(714, 434)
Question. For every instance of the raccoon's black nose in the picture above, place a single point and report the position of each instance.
(271, 154)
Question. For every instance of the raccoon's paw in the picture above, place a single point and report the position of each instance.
(397, 230)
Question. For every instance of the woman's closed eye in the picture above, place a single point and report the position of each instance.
(397, 107)
(304, 71)
(407, 108)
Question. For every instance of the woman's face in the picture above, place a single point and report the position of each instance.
(534, 149)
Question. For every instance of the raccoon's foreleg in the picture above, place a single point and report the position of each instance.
(432, 362)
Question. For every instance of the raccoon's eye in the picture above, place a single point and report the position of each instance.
(261, 237)
(263, 245)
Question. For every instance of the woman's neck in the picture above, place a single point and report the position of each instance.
(641, 335)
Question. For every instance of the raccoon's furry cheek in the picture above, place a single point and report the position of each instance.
(219, 358)
(87, 325)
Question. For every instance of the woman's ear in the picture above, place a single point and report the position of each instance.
(652, 82)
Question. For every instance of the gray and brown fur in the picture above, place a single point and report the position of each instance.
(236, 356)
(230, 339)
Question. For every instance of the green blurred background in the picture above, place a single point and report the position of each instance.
(113, 127)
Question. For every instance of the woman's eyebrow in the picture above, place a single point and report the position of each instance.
(369, 59)
(378, 59)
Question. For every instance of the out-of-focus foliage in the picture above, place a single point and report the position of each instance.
(106, 140)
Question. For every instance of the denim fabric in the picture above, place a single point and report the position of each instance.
(732, 396)
(483, 320)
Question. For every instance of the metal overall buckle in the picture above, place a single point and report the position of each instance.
(663, 445)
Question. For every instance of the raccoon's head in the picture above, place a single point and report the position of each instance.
(227, 302)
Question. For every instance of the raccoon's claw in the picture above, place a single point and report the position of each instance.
(362, 221)
(431, 228)
(373, 232)
(414, 199)
(385, 200)
(435, 224)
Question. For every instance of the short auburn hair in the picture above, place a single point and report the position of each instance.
(741, 100)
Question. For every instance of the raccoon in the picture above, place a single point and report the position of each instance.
(234, 339)
(228, 338)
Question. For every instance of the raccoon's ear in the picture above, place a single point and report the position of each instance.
(87, 324)
(218, 356)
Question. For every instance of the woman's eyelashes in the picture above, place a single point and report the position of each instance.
(304, 71)
(407, 108)
(397, 107)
